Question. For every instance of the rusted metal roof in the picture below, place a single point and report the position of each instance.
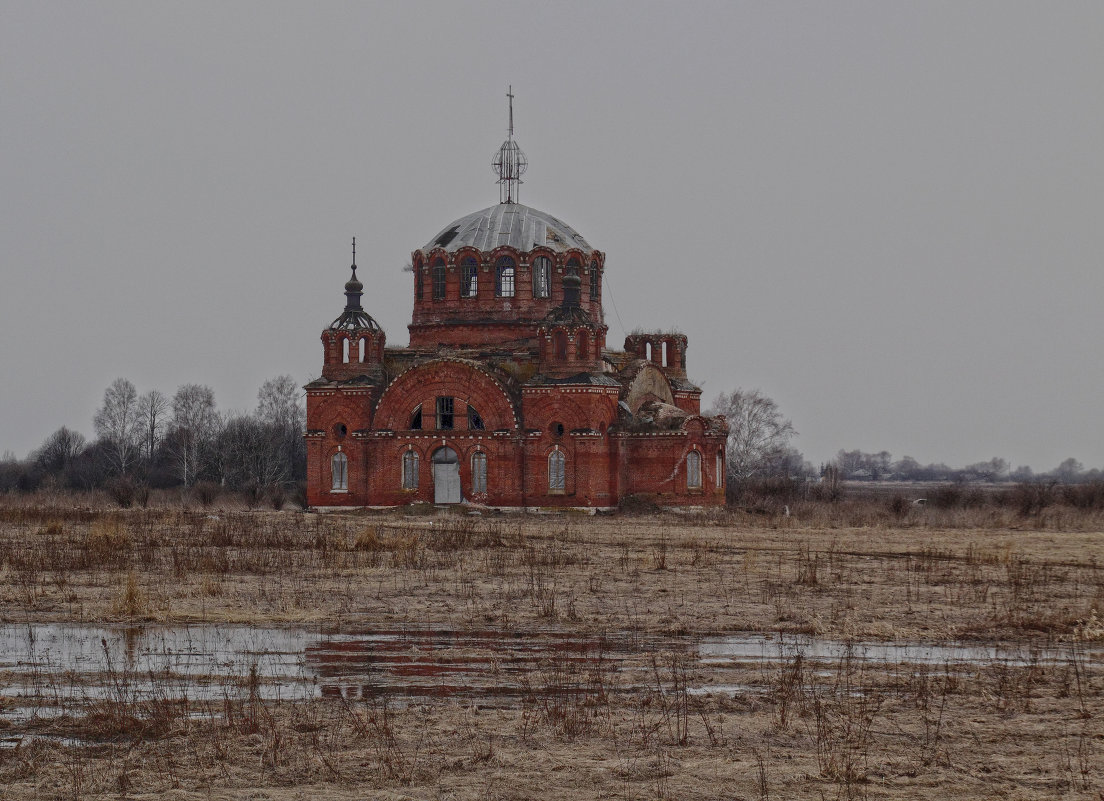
(511, 224)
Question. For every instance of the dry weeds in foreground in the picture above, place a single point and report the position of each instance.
(846, 729)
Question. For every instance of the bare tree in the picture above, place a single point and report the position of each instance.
(280, 406)
(279, 401)
(194, 423)
(252, 452)
(153, 410)
(118, 425)
(758, 434)
(59, 450)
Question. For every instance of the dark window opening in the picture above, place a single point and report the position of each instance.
(418, 282)
(340, 431)
(582, 346)
(416, 419)
(475, 422)
(557, 429)
(469, 278)
(559, 346)
(595, 281)
(445, 415)
(439, 281)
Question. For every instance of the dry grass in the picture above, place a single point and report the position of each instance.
(799, 729)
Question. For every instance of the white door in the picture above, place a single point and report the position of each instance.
(446, 476)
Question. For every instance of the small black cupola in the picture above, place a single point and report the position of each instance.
(354, 315)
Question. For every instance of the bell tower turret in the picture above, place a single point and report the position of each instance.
(353, 343)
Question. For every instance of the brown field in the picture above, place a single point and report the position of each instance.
(659, 721)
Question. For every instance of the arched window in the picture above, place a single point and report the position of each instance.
(410, 470)
(416, 418)
(559, 346)
(418, 281)
(504, 277)
(439, 280)
(693, 470)
(719, 479)
(479, 472)
(475, 422)
(363, 347)
(339, 471)
(469, 278)
(595, 281)
(445, 413)
(556, 463)
(542, 277)
(582, 346)
(345, 350)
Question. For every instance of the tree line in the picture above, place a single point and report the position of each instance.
(154, 440)
(759, 448)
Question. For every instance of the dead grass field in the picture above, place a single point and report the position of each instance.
(848, 728)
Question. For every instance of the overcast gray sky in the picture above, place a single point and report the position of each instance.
(886, 216)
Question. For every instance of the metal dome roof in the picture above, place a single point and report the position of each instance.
(510, 224)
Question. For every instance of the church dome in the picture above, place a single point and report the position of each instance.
(508, 224)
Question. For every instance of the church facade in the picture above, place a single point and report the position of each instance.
(508, 394)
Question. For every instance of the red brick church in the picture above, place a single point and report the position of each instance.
(507, 395)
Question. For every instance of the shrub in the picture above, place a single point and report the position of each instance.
(277, 495)
(252, 494)
(206, 492)
(1028, 499)
(299, 496)
(948, 496)
(121, 490)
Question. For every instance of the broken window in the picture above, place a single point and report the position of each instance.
(469, 278)
(475, 422)
(445, 417)
(595, 281)
(504, 278)
(416, 418)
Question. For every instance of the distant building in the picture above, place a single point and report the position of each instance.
(507, 395)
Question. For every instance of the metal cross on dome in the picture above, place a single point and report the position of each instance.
(509, 162)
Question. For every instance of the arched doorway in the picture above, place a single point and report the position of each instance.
(446, 476)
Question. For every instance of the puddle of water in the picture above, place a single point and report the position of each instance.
(62, 664)
(756, 649)
(50, 667)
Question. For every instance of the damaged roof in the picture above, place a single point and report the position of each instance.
(510, 224)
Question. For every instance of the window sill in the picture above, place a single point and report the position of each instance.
(556, 492)
(339, 492)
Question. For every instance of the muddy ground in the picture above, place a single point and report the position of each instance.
(664, 722)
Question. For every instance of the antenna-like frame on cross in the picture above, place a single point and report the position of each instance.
(509, 162)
